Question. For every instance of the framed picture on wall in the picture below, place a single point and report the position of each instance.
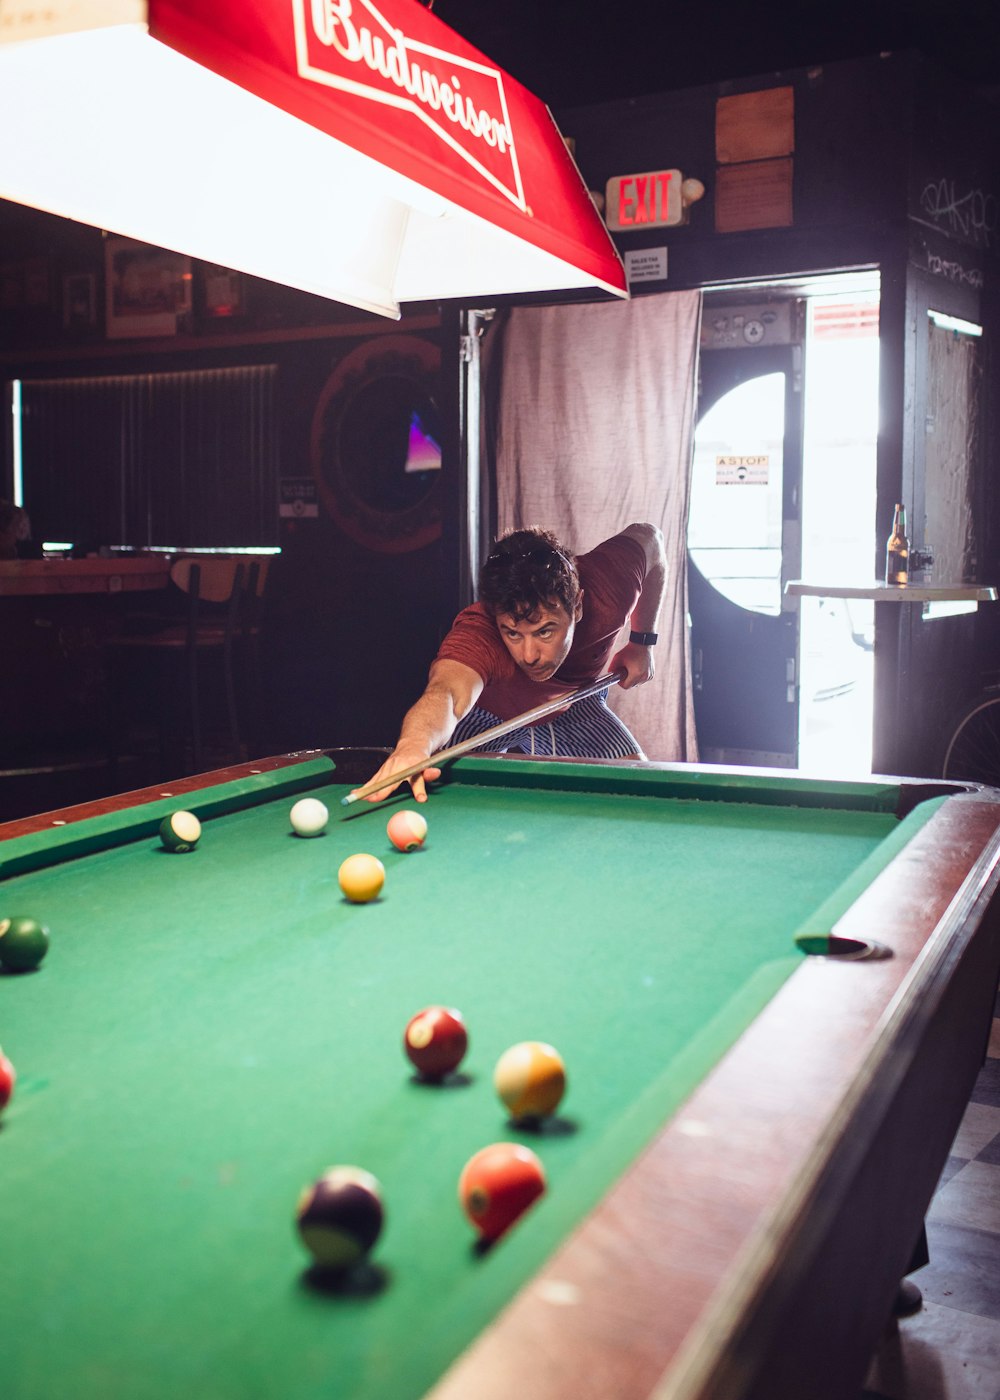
(147, 291)
(223, 291)
(79, 300)
(25, 285)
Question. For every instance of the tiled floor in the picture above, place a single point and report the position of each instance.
(950, 1350)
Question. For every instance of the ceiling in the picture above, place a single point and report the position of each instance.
(576, 52)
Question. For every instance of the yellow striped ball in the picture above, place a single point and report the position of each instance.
(530, 1079)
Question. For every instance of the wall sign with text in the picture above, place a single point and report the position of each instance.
(749, 470)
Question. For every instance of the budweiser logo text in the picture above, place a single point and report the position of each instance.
(351, 45)
(334, 26)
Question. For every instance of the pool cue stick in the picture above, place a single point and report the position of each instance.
(507, 727)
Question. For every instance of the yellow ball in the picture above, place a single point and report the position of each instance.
(530, 1079)
(361, 878)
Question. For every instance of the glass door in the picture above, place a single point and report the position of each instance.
(743, 543)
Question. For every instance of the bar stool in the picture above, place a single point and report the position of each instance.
(170, 658)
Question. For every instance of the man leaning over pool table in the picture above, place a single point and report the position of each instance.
(545, 625)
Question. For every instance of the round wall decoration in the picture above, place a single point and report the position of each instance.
(376, 444)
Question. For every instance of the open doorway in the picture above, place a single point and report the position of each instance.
(840, 431)
(783, 487)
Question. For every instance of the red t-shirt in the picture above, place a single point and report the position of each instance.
(611, 577)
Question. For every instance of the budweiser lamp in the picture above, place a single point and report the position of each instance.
(364, 154)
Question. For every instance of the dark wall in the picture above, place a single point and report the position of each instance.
(355, 607)
(885, 149)
(853, 128)
(364, 592)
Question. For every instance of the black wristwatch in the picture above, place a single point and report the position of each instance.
(643, 639)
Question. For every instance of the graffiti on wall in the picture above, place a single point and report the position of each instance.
(970, 214)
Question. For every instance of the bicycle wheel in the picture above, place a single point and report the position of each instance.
(973, 751)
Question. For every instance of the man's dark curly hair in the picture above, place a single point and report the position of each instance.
(527, 570)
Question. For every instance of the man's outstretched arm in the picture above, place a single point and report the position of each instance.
(451, 691)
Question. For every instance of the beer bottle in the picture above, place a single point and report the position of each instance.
(897, 553)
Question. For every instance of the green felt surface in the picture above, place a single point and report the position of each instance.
(212, 1030)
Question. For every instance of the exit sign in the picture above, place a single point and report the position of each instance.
(637, 201)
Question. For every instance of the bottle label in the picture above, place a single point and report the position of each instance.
(897, 566)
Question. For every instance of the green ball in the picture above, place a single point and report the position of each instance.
(23, 943)
(180, 831)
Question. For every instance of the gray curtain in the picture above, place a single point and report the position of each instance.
(595, 420)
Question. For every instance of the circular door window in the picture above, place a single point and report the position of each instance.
(735, 515)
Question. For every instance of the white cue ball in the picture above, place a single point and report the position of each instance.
(309, 817)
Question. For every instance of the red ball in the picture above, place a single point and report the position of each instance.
(7, 1078)
(435, 1041)
(407, 830)
(498, 1185)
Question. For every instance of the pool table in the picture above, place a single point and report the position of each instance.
(772, 994)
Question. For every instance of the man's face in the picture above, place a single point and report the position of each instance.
(540, 643)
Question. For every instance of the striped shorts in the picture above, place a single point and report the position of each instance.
(587, 729)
